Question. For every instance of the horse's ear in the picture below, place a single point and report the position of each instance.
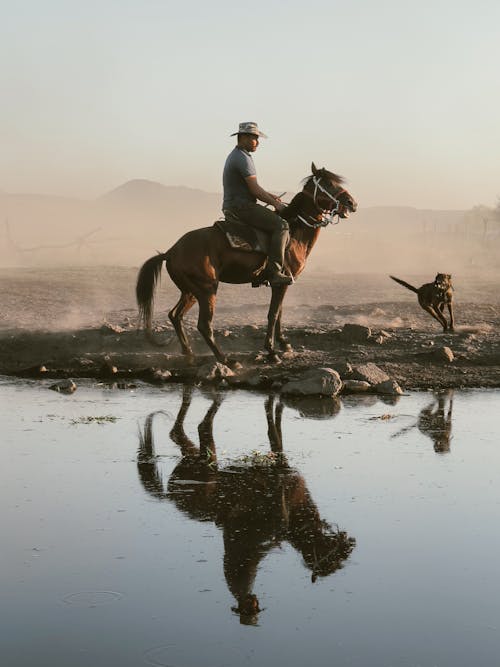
(313, 168)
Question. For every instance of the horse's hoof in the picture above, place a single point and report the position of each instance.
(268, 357)
(286, 346)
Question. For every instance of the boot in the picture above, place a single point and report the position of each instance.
(277, 277)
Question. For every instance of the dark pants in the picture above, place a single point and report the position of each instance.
(270, 222)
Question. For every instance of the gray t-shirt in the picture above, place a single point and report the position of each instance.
(239, 165)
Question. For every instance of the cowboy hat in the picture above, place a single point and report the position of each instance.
(249, 128)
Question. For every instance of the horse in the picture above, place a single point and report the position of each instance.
(202, 258)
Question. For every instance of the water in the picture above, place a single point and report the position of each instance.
(370, 539)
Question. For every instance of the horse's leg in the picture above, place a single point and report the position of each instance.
(283, 341)
(206, 304)
(176, 314)
(273, 316)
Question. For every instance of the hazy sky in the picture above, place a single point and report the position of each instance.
(401, 97)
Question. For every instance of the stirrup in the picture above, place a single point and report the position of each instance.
(279, 278)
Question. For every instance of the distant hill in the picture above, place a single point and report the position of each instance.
(121, 226)
(150, 194)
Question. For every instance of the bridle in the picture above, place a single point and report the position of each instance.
(326, 216)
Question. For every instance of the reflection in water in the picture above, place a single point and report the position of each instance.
(257, 505)
(314, 407)
(434, 421)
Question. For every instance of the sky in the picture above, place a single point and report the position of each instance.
(400, 97)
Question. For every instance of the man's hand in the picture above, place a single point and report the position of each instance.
(263, 195)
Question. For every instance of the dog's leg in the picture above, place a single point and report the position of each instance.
(436, 315)
(452, 318)
(450, 310)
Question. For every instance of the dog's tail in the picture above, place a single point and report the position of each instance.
(407, 285)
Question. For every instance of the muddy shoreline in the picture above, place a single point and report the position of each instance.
(114, 353)
(82, 322)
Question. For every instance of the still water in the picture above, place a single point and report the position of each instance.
(183, 528)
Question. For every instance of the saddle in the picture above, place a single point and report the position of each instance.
(241, 236)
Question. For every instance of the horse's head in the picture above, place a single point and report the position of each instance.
(329, 193)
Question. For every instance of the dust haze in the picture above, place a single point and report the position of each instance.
(67, 263)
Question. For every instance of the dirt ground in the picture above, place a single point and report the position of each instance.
(83, 323)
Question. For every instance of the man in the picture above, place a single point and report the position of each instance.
(241, 191)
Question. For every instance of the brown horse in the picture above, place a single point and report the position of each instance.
(203, 257)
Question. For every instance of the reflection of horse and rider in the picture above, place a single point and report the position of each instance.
(257, 505)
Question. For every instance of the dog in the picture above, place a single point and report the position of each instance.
(433, 297)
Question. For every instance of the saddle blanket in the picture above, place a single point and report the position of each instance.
(242, 236)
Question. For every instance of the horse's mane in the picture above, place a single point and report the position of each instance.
(327, 174)
(293, 208)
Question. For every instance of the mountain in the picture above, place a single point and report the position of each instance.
(149, 194)
(121, 226)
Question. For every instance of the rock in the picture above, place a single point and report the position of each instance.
(64, 386)
(34, 371)
(248, 379)
(85, 363)
(369, 372)
(314, 382)
(107, 368)
(107, 329)
(443, 354)
(356, 333)
(356, 386)
(81, 362)
(214, 371)
(379, 340)
(161, 376)
(388, 387)
(343, 368)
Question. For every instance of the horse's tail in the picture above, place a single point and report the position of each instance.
(407, 285)
(148, 277)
